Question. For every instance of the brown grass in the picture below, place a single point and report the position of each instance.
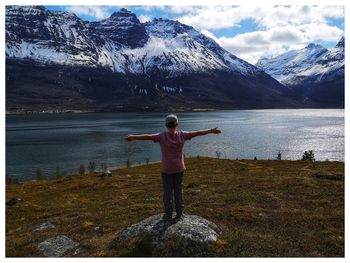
(264, 208)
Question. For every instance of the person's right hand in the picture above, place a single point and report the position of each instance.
(128, 138)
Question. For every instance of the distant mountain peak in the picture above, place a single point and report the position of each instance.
(123, 13)
(341, 43)
(123, 27)
(313, 46)
(284, 66)
(124, 10)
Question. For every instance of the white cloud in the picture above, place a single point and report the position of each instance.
(291, 15)
(187, 9)
(322, 32)
(287, 34)
(279, 28)
(144, 18)
(331, 11)
(219, 17)
(253, 45)
(209, 34)
(98, 12)
(216, 17)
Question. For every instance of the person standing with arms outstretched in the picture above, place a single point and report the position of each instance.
(173, 165)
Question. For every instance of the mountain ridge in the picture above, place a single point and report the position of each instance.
(128, 62)
(314, 72)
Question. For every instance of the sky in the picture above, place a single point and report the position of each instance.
(249, 32)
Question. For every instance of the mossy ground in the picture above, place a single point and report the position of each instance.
(264, 208)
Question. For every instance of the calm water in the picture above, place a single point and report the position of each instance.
(67, 140)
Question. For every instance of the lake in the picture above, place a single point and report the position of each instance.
(60, 143)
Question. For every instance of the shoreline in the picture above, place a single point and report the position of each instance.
(68, 111)
(114, 169)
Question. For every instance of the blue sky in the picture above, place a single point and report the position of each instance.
(250, 32)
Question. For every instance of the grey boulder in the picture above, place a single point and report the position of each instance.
(190, 236)
(57, 246)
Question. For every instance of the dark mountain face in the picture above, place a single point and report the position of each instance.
(26, 26)
(31, 86)
(56, 60)
(122, 27)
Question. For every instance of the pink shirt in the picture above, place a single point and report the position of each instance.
(171, 146)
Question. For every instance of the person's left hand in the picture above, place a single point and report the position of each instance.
(215, 130)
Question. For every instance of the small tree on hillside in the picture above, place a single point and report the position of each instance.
(58, 172)
(92, 167)
(39, 174)
(308, 156)
(104, 167)
(10, 180)
(279, 156)
(82, 169)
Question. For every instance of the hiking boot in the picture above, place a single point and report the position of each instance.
(179, 217)
(167, 217)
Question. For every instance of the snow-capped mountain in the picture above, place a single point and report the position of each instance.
(327, 68)
(49, 37)
(313, 72)
(56, 58)
(313, 63)
(120, 42)
(286, 65)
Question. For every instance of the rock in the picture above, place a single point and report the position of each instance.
(76, 252)
(190, 236)
(43, 226)
(12, 201)
(57, 246)
(108, 173)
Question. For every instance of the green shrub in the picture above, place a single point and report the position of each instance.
(308, 156)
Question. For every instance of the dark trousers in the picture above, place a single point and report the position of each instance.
(172, 186)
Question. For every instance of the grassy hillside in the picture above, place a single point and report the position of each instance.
(264, 208)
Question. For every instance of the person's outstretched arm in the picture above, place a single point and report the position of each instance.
(131, 137)
(204, 132)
